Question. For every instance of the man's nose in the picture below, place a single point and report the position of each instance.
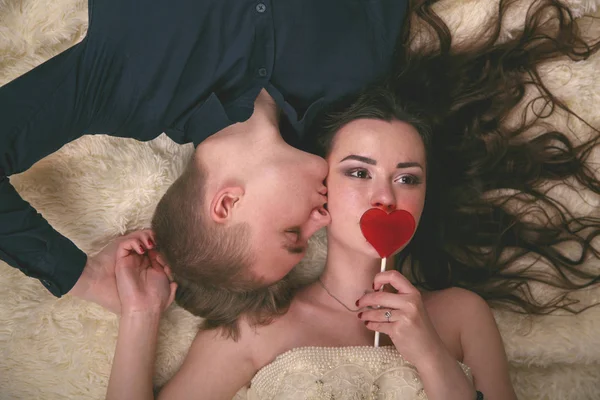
(384, 198)
(319, 218)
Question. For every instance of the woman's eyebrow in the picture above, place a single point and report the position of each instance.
(366, 160)
(370, 161)
(409, 165)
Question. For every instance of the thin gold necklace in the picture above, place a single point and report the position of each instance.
(336, 299)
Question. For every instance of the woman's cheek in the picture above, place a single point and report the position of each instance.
(411, 202)
(350, 207)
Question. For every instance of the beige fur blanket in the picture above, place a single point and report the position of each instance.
(99, 187)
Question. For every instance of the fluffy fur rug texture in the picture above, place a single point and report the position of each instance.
(99, 187)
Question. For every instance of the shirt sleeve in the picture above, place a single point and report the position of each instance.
(40, 112)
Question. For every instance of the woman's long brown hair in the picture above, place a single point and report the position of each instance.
(489, 221)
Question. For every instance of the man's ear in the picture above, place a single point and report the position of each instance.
(223, 203)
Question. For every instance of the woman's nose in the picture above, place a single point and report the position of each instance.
(384, 199)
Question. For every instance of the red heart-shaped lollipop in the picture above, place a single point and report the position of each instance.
(387, 232)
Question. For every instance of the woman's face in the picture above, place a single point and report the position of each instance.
(373, 163)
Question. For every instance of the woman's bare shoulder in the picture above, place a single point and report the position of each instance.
(206, 369)
(452, 297)
(452, 311)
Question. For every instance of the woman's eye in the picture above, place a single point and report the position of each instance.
(358, 173)
(408, 180)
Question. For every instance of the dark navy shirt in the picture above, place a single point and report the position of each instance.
(185, 67)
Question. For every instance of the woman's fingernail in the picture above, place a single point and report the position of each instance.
(359, 315)
(356, 303)
(373, 285)
(366, 322)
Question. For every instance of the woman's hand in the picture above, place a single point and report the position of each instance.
(412, 332)
(97, 282)
(142, 283)
(145, 291)
(408, 326)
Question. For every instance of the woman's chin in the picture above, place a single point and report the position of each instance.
(371, 253)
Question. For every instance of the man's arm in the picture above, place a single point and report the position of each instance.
(40, 112)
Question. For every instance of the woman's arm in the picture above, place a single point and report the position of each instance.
(215, 367)
(144, 292)
(443, 378)
(135, 355)
(483, 349)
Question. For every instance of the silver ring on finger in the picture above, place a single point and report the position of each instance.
(388, 315)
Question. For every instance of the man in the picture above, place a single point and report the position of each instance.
(194, 69)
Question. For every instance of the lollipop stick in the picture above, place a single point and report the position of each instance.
(383, 262)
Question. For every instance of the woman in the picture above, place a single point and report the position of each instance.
(462, 240)
(377, 159)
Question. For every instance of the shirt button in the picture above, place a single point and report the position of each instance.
(261, 7)
(262, 72)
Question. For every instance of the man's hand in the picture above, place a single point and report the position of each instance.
(98, 281)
